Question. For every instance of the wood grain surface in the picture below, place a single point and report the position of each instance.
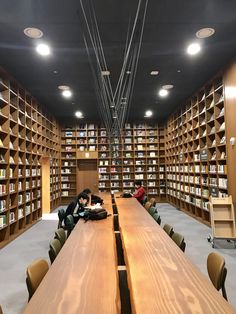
(161, 278)
(83, 278)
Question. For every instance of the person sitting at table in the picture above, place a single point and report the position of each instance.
(88, 192)
(139, 193)
(77, 206)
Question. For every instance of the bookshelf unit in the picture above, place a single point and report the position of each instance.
(196, 152)
(222, 218)
(137, 155)
(26, 134)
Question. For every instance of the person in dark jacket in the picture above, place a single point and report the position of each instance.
(77, 206)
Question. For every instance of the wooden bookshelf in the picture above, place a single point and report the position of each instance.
(137, 155)
(27, 133)
(196, 159)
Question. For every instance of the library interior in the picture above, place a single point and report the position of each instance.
(114, 96)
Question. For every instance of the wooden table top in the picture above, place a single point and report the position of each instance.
(83, 278)
(161, 278)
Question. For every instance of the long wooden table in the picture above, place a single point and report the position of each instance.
(83, 278)
(161, 278)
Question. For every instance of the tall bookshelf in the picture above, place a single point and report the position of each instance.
(196, 161)
(137, 155)
(26, 134)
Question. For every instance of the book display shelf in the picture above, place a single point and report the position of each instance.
(26, 134)
(196, 163)
(222, 219)
(137, 155)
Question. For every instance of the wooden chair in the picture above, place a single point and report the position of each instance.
(217, 271)
(34, 275)
(157, 218)
(60, 234)
(1, 312)
(61, 215)
(147, 205)
(54, 249)
(168, 229)
(179, 240)
(153, 201)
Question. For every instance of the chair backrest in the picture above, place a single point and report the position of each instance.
(217, 271)
(179, 240)
(152, 201)
(147, 205)
(34, 275)
(1, 312)
(61, 215)
(60, 234)
(152, 210)
(69, 224)
(168, 229)
(54, 249)
(157, 218)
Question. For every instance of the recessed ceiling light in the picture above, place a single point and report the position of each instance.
(66, 93)
(154, 73)
(33, 32)
(63, 87)
(167, 86)
(55, 71)
(178, 71)
(105, 73)
(128, 72)
(193, 49)
(205, 32)
(148, 114)
(43, 49)
(79, 114)
(163, 92)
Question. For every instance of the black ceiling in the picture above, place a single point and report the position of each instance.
(169, 27)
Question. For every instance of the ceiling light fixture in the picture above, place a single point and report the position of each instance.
(33, 32)
(167, 86)
(193, 49)
(79, 114)
(148, 114)
(154, 73)
(66, 93)
(128, 72)
(63, 87)
(205, 32)
(163, 92)
(43, 49)
(105, 73)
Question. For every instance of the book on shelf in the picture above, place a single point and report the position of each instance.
(222, 127)
(203, 154)
(103, 133)
(3, 220)
(213, 191)
(68, 133)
